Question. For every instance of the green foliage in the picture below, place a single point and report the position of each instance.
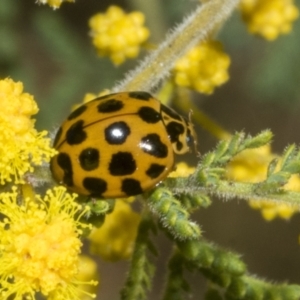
(222, 267)
(212, 165)
(101, 207)
(176, 287)
(139, 278)
(226, 270)
(210, 175)
(280, 171)
(206, 256)
(173, 216)
(192, 202)
(251, 288)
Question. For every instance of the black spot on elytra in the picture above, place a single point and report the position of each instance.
(179, 145)
(170, 112)
(77, 112)
(111, 105)
(76, 134)
(57, 137)
(155, 170)
(140, 95)
(149, 114)
(89, 159)
(122, 163)
(152, 145)
(117, 133)
(174, 130)
(96, 186)
(131, 187)
(64, 161)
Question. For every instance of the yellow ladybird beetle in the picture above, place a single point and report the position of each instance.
(119, 145)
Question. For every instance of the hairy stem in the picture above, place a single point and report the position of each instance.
(237, 190)
(193, 29)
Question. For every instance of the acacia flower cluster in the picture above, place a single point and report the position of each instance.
(40, 245)
(39, 240)
(88, 272)
(22, 146)
(269, 18)
(203, 68)
(117, 34)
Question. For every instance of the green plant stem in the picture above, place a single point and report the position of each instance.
(232, 190)
(227, 270)
(173, 216)
(140, 274)
(193, 29)
(176, 285)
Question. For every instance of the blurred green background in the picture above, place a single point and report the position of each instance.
(51, 53)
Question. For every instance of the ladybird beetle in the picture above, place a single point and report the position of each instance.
(119, 145)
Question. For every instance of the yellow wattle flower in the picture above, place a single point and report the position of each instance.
(22, 146)
(203, 68)
(87, 273)
(40, 246)
(118, 35)
(269, 18)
